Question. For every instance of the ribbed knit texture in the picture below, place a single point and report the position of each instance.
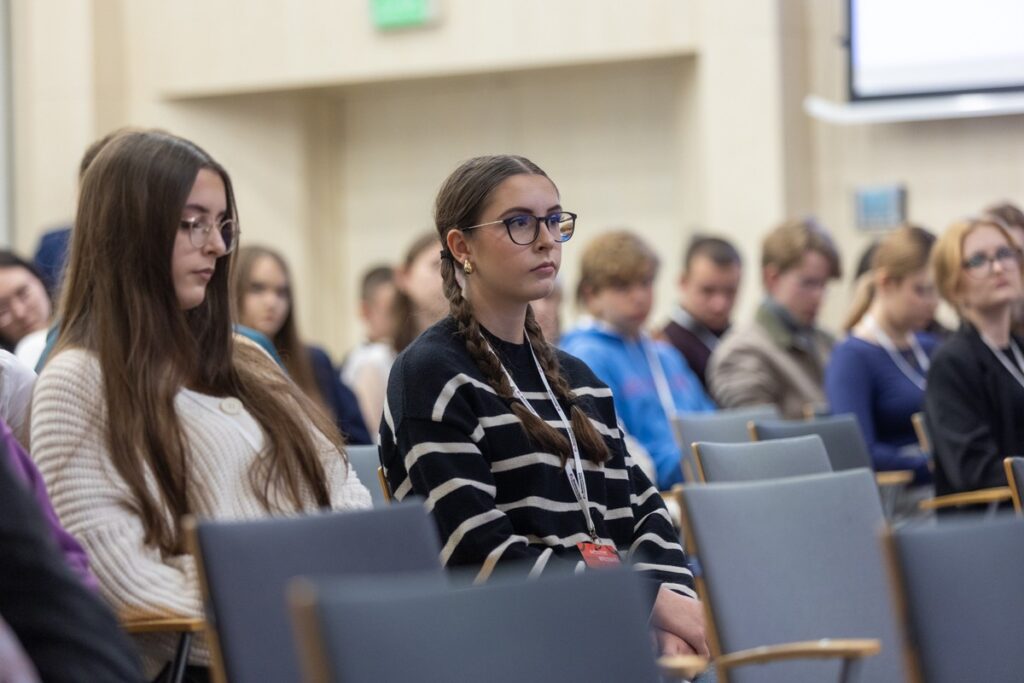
(498, 500)
(69, 438)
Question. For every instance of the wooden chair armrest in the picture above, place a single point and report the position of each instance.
(894, 477)
(163, 624)
(846, 648)
(682, 666)
(996, 494)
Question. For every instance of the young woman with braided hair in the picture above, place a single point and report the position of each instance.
(514, 444)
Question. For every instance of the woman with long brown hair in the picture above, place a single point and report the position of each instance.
(150, 408)
(514, 444)
(879, 371)
(265, 302)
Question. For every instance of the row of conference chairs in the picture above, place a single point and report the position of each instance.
(802, 581)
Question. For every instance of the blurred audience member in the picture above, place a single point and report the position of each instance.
(974, 402)
(879, 371)
(780, 357)
(712, 270)
(1012, 219)
(66, 630)
(650, 381)
(25, 308)
(266, 303)
(419, 302)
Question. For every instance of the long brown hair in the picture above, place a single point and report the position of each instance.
(403, 309)
(287, 341)
(900, 254)
(459, 203)
(120, 304)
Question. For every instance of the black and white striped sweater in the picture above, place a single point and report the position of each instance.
(448, 438)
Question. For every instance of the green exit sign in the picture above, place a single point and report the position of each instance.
(390, 14)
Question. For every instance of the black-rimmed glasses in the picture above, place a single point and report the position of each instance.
(200, 227)
(524, 229)
(980, 265)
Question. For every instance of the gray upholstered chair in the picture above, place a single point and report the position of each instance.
(244, 568)
(960, 584)
(726, 462)
(722, 426)
(590, 627)
(365, 460)
(795, 560)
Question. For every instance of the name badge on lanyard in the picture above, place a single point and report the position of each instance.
(594, 554)
(599, 556)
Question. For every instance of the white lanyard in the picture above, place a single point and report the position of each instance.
(660, 379)
(1014, 370)
(911, 373)
(573, 468)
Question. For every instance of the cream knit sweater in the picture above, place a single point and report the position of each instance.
(69, 444)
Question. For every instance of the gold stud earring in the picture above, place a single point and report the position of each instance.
(467, 267)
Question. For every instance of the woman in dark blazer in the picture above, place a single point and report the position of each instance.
(974, 402)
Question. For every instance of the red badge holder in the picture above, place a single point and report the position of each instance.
(599, 556)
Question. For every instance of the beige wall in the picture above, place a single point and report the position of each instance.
(674, 114)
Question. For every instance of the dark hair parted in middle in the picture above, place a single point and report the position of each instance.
(462, 198)
(119, 302)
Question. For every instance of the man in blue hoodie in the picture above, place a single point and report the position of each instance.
(650, 380)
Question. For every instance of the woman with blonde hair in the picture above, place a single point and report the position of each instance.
(974, 402)
(879, 371)
(150, 409)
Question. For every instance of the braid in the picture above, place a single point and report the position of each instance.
(544, 435)
(590, 442)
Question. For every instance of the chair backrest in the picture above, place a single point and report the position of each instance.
(791, 560)
(365, 460)
(844, 442)
(726, 462)
(1015, 478)
(964, 598)
(244, 568)
(589, 627)
(723, 426)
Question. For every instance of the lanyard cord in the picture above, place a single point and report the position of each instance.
(573, 467)
(1014, 370)
(660, 379)
(911, 373)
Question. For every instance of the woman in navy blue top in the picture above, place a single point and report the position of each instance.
(263, 287)
(878, 372)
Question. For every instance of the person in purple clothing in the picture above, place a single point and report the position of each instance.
(21, 464)
(879, 371)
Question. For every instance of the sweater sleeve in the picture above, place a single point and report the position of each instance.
(95, 503)
(445, 467)
(72, 551)
(958, 426)
(655, 550)
(849, 388)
